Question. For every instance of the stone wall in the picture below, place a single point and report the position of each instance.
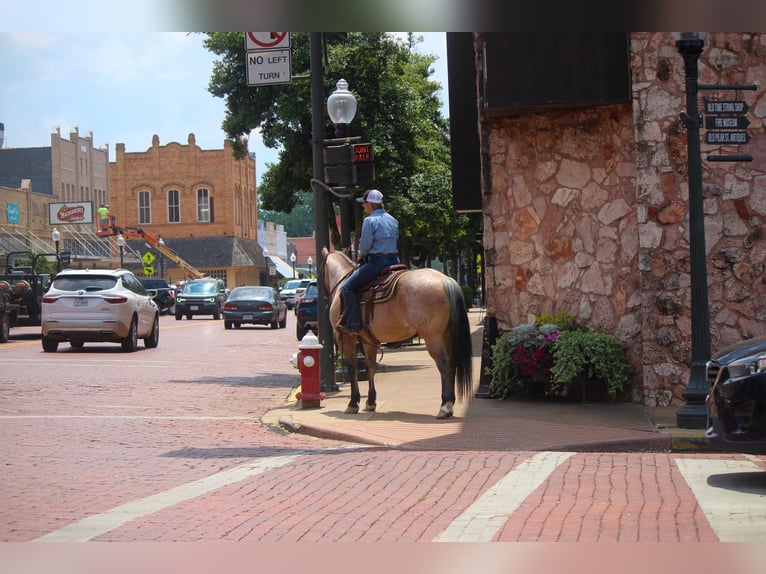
(586, 211)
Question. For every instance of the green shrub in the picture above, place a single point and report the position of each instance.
(467, 295)
(588, 355)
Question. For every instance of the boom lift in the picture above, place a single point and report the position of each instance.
(129, 232)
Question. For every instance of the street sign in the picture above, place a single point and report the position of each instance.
(148, 258)
(266, 40)
(726, 122)
(148, 270)
(727, 137)
(268, 67)
(726, 107)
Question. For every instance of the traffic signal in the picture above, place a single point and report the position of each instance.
(363, 171)
(349, 165)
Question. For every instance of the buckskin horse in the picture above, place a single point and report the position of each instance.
(424, 302)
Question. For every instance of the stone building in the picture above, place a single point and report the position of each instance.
(202, 203)
(585, 202)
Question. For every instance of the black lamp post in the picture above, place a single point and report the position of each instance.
(56, 236)
(121, 245)
(341, 107)
(693, 415)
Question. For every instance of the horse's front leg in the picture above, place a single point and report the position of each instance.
(348, 349)
(370, 354)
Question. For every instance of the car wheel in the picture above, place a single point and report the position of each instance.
(189, 316)
(227, 324)
(130, 342)
(5, 327)
(300, 332)
(237, 325)
(153, 339)
(76, 344)
(283, 322)
(274, 324)
(217, 314)
(49, 345)
(178, 316)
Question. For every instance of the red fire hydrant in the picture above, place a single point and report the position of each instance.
(306, 360)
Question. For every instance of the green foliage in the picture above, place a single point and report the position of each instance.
(556, 355)
(590, 355)
(467, 295)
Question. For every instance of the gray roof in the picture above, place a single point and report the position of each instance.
(210, 252)
(27, 163)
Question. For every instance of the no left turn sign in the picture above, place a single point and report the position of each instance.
(266, 40)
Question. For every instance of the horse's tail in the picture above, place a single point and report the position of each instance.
(460, 336)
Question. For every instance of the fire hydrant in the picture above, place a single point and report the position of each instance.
(306, 360)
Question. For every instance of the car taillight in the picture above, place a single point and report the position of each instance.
(50, 299)
(114, 299)
(265, 307)
(230, 307)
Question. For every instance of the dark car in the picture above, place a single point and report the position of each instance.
(201, 297)
(737, 399)
(255, 305)
(166, 295)
(306, 311)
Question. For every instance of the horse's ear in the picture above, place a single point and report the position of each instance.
(347, 251)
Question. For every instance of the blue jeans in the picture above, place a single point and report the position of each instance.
(362, 275)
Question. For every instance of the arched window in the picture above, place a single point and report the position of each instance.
(174, 206)
(144, 208)
(204, 207)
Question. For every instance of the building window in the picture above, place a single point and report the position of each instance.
(203, 205)
(144, 208)
(174, 206)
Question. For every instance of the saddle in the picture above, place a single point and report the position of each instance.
(379, 290)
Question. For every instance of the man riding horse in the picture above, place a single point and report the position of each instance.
(377, 250)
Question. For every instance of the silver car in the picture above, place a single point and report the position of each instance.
(99, 305)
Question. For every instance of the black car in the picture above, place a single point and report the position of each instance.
(256, 305)
(201, 297)
(166, 295)
(306, 311)
(737, 399)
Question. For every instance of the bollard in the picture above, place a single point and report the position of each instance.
(307, 362)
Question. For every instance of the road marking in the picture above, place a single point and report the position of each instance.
(731, 493)
(98, 524)
(134, 417)
(481, 521)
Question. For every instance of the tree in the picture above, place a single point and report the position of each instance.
(398, 111)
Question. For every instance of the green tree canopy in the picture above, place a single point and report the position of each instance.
(398, 110)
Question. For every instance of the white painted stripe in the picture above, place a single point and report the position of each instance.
(98, 524)
(731, 493)
(481, 521)
(139, 417)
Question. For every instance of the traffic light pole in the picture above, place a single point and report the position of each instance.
(322, 230)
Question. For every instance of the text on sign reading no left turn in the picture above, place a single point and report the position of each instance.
(269, 67)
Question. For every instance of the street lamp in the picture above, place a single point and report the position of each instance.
(693, 414)
(292, 260)
(121, 245)
(56, 236)
(341, 107)
(162, 257)
(310, 261)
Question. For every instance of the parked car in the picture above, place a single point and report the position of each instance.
(166, 295)
(255, 305)
(99, 305)
(201, 297)
(306, 312)
(737, 399)
(292, 290)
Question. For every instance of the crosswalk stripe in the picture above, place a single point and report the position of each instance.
(98, 524)
(481, 521)
(731, 493)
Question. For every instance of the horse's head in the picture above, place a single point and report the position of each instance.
(336, 266)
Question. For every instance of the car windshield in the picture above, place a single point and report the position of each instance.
(154, 283)
(291, 284)
(84, 283)
(250, 293)
(311, 291)
(199, 288)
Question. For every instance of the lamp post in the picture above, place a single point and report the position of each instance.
(341, 107)
(162, 258)
(121, 245)
(693, 414)
(292, 260)
(310, 261)
(56, 236)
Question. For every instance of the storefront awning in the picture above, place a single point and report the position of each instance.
(283, 268)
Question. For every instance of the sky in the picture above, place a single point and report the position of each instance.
(125, 87)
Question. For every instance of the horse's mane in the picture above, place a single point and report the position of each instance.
(344, 255)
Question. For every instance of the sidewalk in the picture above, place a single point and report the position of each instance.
(409, 392)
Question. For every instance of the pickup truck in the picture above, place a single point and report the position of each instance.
(24, 279)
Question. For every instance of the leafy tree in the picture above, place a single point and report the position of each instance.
(398, 110)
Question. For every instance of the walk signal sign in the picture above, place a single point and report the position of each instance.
(349, 164)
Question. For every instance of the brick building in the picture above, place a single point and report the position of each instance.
(201, 202)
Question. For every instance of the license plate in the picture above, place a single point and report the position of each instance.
(245, 317)
(80, 302)
(194, 307)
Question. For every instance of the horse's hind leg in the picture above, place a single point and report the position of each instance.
(370, 354)
(447, 373)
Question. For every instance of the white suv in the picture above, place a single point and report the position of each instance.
(99, 305)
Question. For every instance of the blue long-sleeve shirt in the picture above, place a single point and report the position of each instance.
(380, 232)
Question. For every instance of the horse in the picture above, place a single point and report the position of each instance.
(425, 302)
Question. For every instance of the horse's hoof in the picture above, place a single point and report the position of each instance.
(369, 408)
(351, 410)
(445, 411)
